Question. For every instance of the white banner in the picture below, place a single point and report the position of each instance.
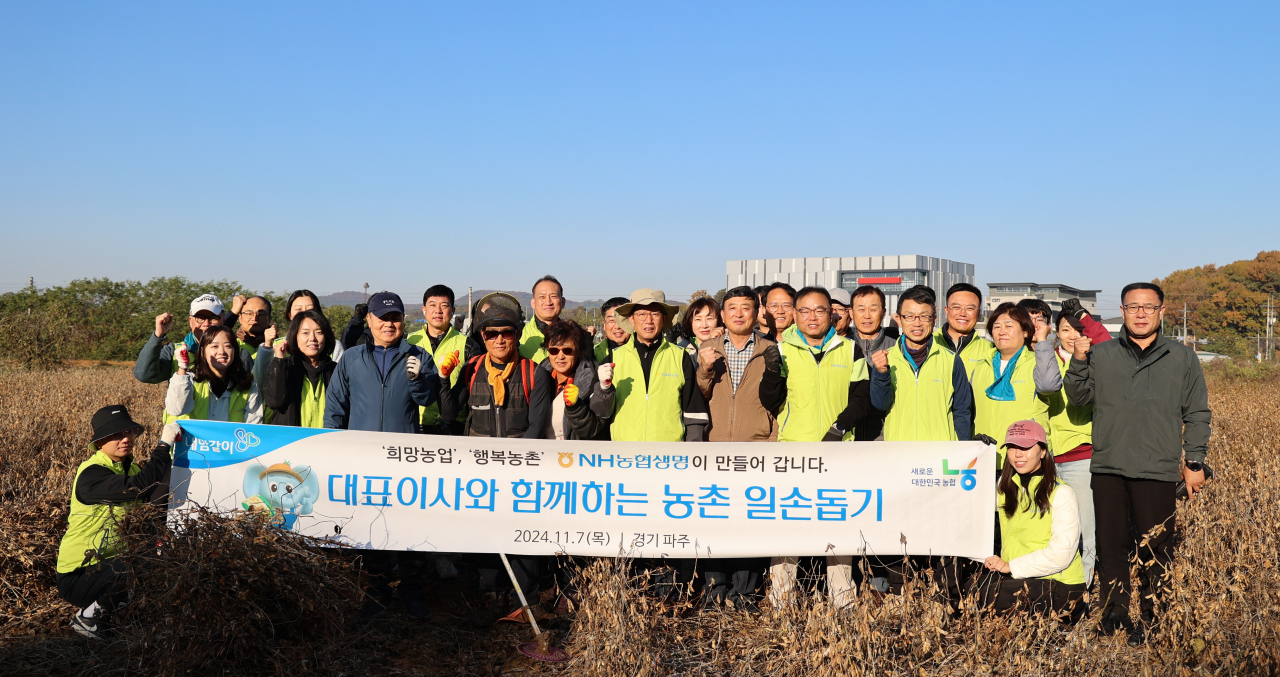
(606, 499)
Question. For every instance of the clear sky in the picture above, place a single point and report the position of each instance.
(620, 145)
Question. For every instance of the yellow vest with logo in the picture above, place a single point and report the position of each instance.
(817, 392)
(652, 413)
(203, 394)
(921, 410)
(531, 342)
(1029, 530)
(311, 408)
(92, 527)
(993, 417)
(977, 352)
(452, 341)
(1069, 426)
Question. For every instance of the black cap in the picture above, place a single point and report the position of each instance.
(110, 420)
(385, 302)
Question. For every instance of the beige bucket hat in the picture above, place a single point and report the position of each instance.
(645, 297)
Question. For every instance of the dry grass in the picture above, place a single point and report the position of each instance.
(1223, 616)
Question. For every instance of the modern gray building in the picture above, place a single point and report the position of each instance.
(892, 274)
(1052, 294)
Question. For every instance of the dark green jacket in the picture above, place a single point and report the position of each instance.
(1145, 413)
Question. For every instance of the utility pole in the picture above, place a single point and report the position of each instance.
(1271, 322)
(1184, 323)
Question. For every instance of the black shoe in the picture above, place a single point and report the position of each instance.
(92, 628)
(1116, 623)
(415, 607)
(374, 604)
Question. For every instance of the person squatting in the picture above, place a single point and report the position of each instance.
(1097, 437)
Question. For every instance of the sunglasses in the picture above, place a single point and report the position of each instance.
(568, 352)
(493, 334)
(131, 432)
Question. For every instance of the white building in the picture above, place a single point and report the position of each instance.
(891, 274)
(1052, 294)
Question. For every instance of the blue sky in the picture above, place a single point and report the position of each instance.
(616, 145)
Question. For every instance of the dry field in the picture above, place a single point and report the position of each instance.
(230, 597)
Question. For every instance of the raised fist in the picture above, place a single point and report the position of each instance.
(707, 356)
(1072, 307)
(1083, 344)
(570, 395)
(448, 364)
(269, 335)
(413, 366)
(880, 360)
(361, 310)
(237, 302)
(278, 349)
(163, 322)
(172, 433)
(1042, 329)
(605, 373)
(182, 356)
(773, 359)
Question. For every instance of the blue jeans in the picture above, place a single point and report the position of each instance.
(1076, 475)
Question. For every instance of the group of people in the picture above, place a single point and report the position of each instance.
(1095, 436)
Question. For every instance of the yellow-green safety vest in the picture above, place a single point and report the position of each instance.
(531, 342)
(921, 410)
(1069, 426)
(92, 527)
(817, 392)
(993, 417)
(977, 352)
(202, 394)
(311, 408)
(651, 414)
(453, 340)
(1029, 530)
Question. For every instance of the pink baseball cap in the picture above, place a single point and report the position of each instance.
(1024, 435)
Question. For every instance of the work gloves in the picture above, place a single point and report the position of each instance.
(1073, 308)
(570, 395)
(182, 356)
(172, 433)
(448, 364)
(986, 439)
(413, 366)
(833, 435)
(605, 373)
(773, 359)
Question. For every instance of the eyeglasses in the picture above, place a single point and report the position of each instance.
(206, 320)
(251, 313)
(1146, 308)
(553, 351)
(916, 319)
(647, 315)
(493, 334)
(131, 432)
(778, 307)
(816, 312)
(963, 309)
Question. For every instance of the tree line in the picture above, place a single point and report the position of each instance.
(1226, 306)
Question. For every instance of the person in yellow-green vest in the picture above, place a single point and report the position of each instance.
(1039, 531)
(299, 372)
(920, 384)
(155, 362)
(108, 484)
(654, 388)
(614, 334)
(816, 382)
(448, 347)
(655, 392)
(924, 391)
(1020, 378)
(219, 388)
(547, 302)
(959, 333)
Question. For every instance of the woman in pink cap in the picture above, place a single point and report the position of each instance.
(1039, 531)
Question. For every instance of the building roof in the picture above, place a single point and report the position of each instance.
(1039, 284)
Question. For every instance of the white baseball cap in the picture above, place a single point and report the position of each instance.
(839, 295)
(207, 302)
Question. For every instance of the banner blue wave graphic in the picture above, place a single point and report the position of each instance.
(212, 444)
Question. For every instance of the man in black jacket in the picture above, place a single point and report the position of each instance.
(1150, 430)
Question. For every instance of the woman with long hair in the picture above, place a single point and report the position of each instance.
(215, 385)
(1039, 530)
(299, 372)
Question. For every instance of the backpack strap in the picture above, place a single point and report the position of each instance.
(526, 374)
(474, 364)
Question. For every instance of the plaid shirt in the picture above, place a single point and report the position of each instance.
(738, 359)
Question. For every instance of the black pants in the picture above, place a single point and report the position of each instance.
(1003, 591)
(381, 564)
(949, 573)
(105, 583)
(733, 579)
(1125, 510)
(493, 575)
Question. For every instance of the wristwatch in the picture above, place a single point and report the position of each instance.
(1200, 466)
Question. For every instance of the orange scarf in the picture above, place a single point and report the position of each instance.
(498, 379)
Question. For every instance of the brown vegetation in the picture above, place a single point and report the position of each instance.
(230, 596)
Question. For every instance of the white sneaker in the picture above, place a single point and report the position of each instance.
(89, 627)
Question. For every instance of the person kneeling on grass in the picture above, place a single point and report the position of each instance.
(1039, 531)
(107, 485)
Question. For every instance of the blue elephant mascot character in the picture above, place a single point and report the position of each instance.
(281, 491)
